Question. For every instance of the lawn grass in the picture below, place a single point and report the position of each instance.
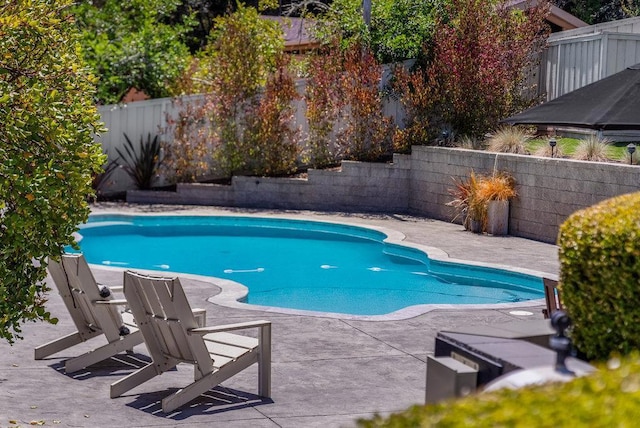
(568, 146)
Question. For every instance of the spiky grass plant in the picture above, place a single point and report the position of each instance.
(500, 186)
(471, 196)
(628, 159)
(545, 151)
(509, 139)
(593, 148)
(469, 142)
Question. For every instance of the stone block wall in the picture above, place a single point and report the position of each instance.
(356, 187)
(549, 189)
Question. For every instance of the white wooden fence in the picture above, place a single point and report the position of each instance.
(575, 58)
(140, 118)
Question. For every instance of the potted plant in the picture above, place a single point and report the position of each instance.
(483, 202)
(495, 192)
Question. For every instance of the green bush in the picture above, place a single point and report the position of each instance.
(600, 273)
(47, 152)
(133, 44)
(608, 398)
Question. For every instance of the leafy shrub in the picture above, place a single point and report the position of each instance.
(48, 120)
(324, 102)
(130, 44)
(368, 132)
(141, 165)
(610, 397)
(509, 139)
(188, 155)
(242, 53)
(599, 275)
(271, 140)
(593, 148)
(415, 95)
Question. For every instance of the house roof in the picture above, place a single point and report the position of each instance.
(297, 32)
(557, 16)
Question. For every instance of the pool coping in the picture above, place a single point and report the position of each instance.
(232, 293)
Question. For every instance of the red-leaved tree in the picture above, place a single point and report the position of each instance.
(324, 101)
(271, 139)
(367, 135)
(482, 57)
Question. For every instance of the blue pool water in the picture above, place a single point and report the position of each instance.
(299, 264)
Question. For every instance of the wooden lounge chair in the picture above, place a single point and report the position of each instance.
(552, 297)
(172, 336)
(93, 315)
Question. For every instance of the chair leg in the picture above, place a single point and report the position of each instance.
(206, 382)
(189, 392)
(99, 354)
(264, 362)
(57, 345)
(134, 379)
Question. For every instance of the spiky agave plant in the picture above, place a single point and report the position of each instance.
(141, 165)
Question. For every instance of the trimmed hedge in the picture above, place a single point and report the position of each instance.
(600, 276)
(610, 397)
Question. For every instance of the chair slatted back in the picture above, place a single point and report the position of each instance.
(552, 296)
(164, 315)
(79, 289)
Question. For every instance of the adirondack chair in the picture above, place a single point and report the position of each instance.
(92, 313)
(172, 336)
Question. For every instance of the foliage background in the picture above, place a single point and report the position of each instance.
(134, 44)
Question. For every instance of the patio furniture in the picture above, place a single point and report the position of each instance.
(94, 314)
(172, 336)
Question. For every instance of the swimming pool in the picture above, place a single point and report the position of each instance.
(298, 264)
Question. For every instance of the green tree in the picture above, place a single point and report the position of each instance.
(232, 69)
(134, 44)
(597, 11)
(47, 152)
(399, 28)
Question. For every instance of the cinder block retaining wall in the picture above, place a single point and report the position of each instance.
(549, 189)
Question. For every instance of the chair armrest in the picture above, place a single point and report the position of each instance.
(120, 302)
(201, 316)
(229, 327)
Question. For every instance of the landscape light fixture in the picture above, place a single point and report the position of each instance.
(631, 148)
(559, 342)
(552, 144)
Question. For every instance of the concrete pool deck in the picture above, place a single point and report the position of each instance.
(327, 372)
